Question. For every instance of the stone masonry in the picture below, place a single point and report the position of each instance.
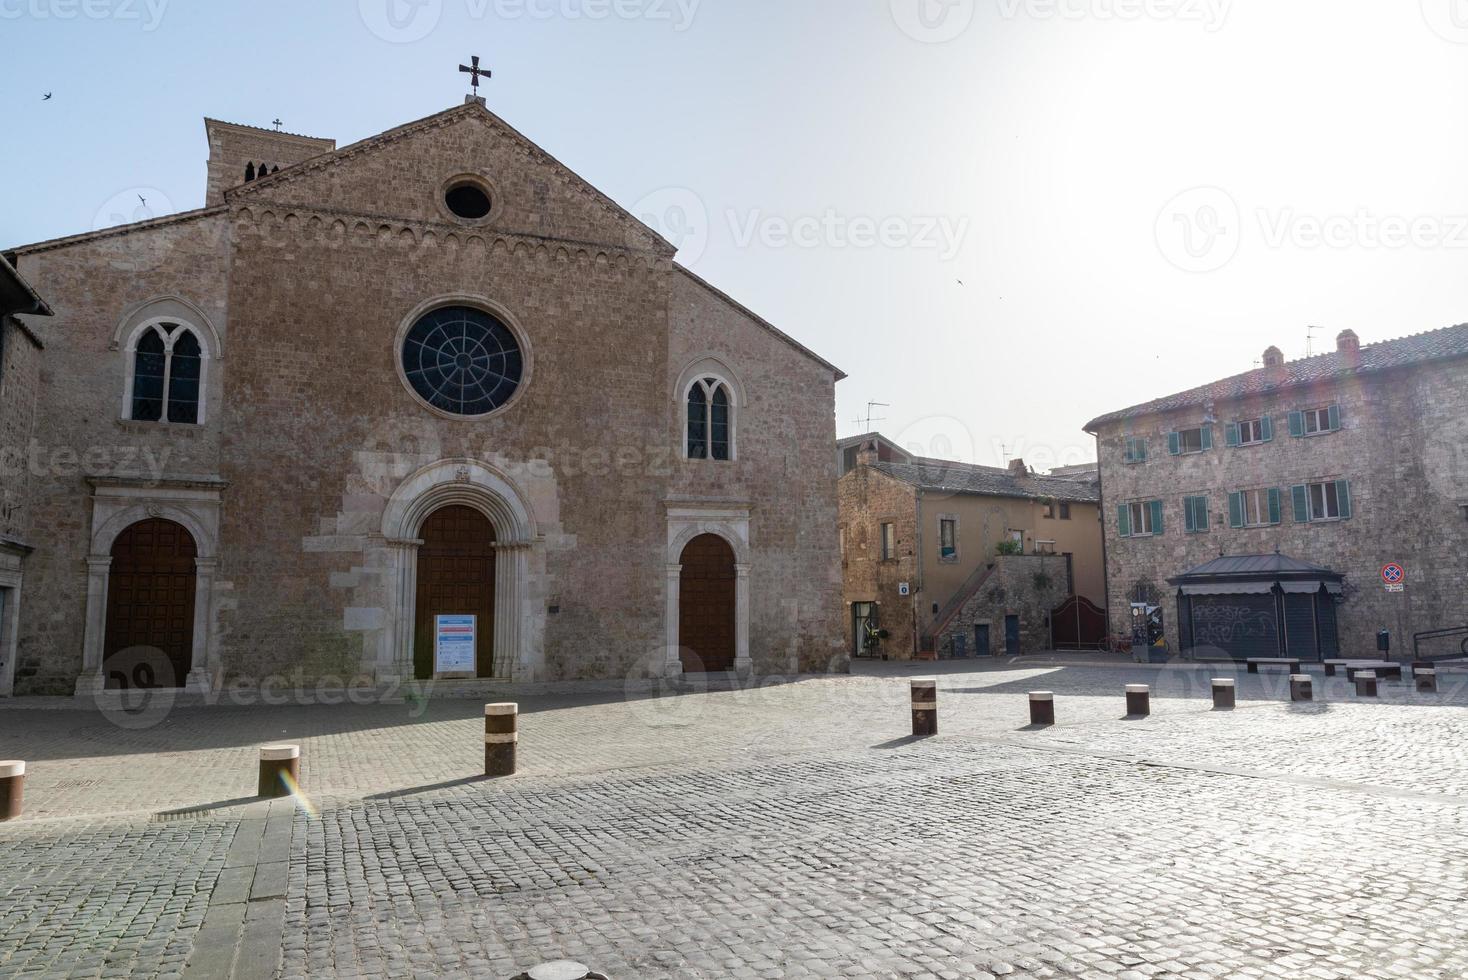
(301, 283)
(1402, 445)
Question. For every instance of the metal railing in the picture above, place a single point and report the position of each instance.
(1442, 634)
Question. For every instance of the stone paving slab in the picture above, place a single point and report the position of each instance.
(791, 830)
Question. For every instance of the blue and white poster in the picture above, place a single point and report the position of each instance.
(453, 649)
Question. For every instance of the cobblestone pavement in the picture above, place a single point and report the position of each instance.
(786, 831)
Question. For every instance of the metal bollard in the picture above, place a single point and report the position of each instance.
(1366, 683)
(1224, 694)
(1426, 680)
(277, 762)
(12, 788)
(1138, 700)
(1302, 688)
(501, 735)
(924, 707)
(1042, 708)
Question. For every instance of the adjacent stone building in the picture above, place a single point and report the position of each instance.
(424, 405)
(921, 542)
(20, 379)
(1327, 476)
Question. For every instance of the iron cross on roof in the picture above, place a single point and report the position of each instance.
(474, 71)
(276, 123)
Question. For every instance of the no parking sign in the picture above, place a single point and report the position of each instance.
(1395, 577)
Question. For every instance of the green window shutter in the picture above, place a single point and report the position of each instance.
(1142, 450)
(1157, 517)
(1335, 418)
(1274, 506)
(1343, 493)
(1124, 521)
(1297, 424)
(1267, 424)
(1200, 515)
(1236, 510)
(1301, 498)
(1189, 524)
(1174, 444)
(1207, 438)
(1231, 434)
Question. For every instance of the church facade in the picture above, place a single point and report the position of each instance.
(425, 405)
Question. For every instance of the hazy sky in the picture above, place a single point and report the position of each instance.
(1137, 195)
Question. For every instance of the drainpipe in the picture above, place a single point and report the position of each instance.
(1101, 516)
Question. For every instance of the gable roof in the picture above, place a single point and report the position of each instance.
(1435, 345)
(988, 481)
(779, 334)
(469, 110)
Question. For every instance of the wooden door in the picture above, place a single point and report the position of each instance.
(706, 605)
(455, 578)
(150, 603)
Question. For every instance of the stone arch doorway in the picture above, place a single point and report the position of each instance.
(707, 609)
(456, 577)
(150, 604)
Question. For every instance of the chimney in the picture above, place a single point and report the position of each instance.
(1273, 358)
(1017, 467)
(1348, 342)
(240, 153)
(866, 453)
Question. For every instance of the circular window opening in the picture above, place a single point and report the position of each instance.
(462, 361)
(467, 201)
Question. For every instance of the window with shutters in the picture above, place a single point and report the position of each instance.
(1187, 442)
(1254, 508)
(1195, 515)
(1327, 500)
(1253, 432)
(1136, 450)
(948, 539)
(889, 542)
(1140, 520)
(1315, 421)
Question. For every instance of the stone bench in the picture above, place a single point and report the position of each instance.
(1382, 668)
(1256, 662)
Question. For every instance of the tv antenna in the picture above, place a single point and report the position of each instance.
(1310, 340)
(866, 425)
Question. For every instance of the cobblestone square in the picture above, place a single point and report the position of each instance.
(782, 830)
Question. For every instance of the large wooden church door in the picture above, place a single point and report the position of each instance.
(455, 578)
(706, 592)
(150, 603)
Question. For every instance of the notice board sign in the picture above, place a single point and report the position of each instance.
(453, 645)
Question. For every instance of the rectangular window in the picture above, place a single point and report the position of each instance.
(1315, 421)
(1141, 520)
(1325, 502)
(889, 541)
(1190, 441)
(1195, 515)
(1136, 450)
(1252, 432)
(948, 539)
(1329, 500)
(1064, 511)
(1049, 510)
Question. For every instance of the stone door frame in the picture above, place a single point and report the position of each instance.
(116, 506)
(688, 519)
(519, 621)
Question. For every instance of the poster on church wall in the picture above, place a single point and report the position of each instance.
(453, 648)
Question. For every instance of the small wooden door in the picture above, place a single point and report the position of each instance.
(455, 578)
(981, 640)
(1011, 635)
(150, 603)
(706, 605)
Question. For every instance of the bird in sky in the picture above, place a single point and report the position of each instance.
(46, 97)
(143, 199)
(960, 282)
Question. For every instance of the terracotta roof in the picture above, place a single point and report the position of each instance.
(988, 481)
(1419, 348)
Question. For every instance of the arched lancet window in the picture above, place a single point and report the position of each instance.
(710, 420)
(167, 375)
